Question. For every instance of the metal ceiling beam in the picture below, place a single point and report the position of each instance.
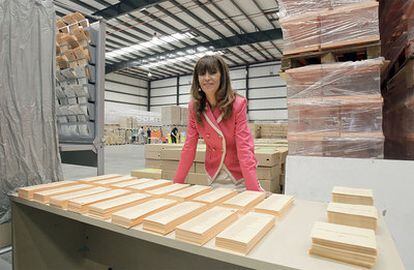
(228, 42)
(189, 26)
(206, 9)
(125, 6)
(237, 25)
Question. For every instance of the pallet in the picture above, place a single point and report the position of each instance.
(342, 54)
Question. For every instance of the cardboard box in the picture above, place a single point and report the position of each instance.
(197, 179)
(153, 163)
(200, 155)
(199, 168)
(271, 186)
(147, 173)
(172, 165)
(152, 155)
(171, 115)
(168, 175)
(171, 154)
(268, 173)
(267, 157)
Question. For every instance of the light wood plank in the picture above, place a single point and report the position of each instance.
(165, 221)
(245, 200)
(275, 204)
(153, 184)
(216, 196)
(352, 195)
(27, 192)
(189, 193)
(162, 191)
(134, 215)
(204, 227)
(79, 205)
(104, 210)
(364, 216)
(246, 232)
(44, 196)
(63, 199)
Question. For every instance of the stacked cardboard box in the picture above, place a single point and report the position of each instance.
(336, 109)
(171, 115)
(269, 130)
(270, 172)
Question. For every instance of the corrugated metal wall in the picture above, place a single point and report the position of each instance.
(266, 91)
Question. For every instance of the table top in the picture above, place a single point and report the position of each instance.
(284, 247)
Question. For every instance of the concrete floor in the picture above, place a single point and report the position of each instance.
(119, 159)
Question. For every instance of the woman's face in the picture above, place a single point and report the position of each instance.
(210, 83)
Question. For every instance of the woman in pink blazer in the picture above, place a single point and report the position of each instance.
(219, 115)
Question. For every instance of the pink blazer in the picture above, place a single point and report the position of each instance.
(229, 145)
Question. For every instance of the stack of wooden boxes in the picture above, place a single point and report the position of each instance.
(334, 104)
(270, 171)
(397, 33)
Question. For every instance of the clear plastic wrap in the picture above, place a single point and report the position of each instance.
(341, 26)
(336, 109)
(399, 113)
(295, 7)
(397, 31)
(28, 134)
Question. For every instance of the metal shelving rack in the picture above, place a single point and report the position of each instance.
(89, 150)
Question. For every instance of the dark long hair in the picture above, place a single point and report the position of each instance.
(225, 95)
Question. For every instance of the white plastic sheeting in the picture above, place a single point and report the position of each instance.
(28, 135)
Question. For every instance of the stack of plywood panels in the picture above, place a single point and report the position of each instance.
(165, 190)
(80, 204)
(166, 221)
(104, 210)
(134, 215)
(110, 181)
(27, 192)
(349, 195)
(43, 196)
(245, 200)
(275, 204)
(336, 109)
(344, 243)
(363, 216)
(204, 227)
(189, 192)
(98, 178)
(245, 233)
(148, 185)
(62, 200)
(132, 182)
(216, 196)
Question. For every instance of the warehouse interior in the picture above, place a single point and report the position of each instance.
(96, 123)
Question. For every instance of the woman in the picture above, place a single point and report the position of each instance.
(219, 115)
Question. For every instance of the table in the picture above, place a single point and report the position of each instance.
(45, 237)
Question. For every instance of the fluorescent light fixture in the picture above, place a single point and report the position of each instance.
(184, 58)
(154, 42)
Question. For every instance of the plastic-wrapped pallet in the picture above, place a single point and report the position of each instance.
(399, 114)
(336, 109)
(397, 31)
(330, 28)
(295, 7)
